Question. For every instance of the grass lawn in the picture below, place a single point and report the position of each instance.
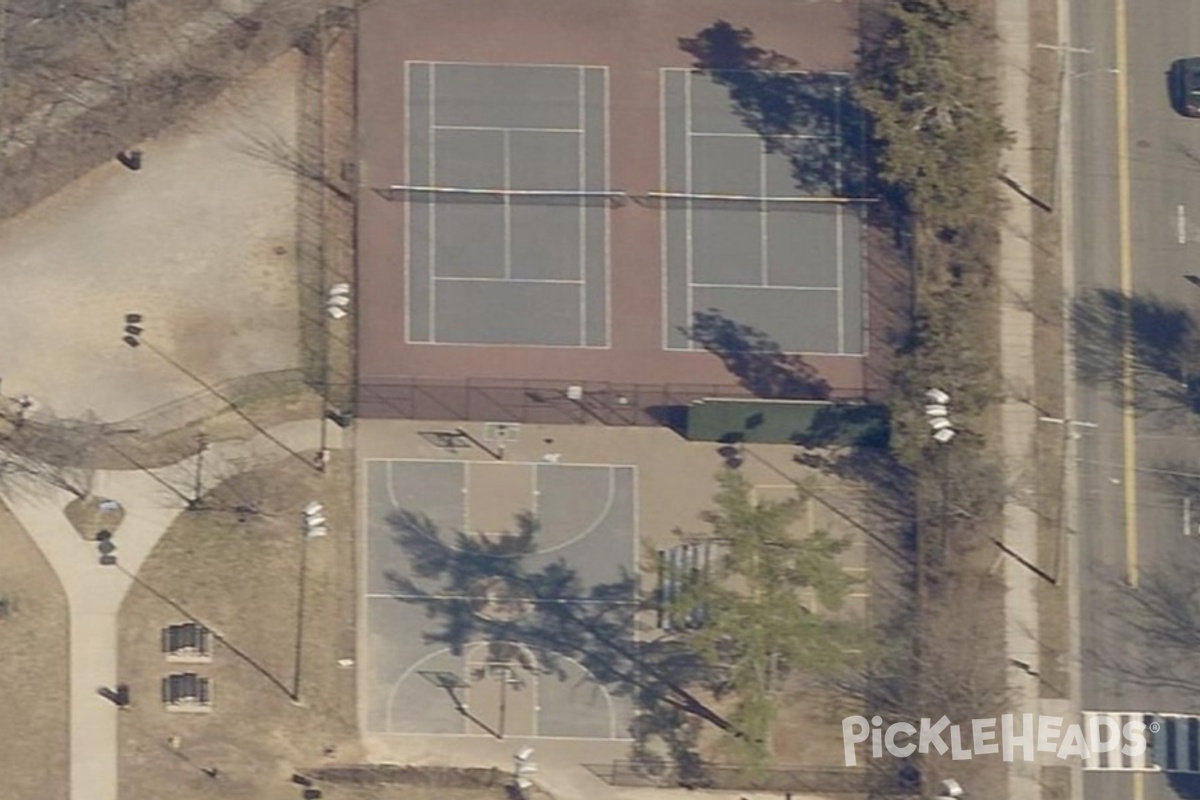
(282, 611)
(33, 671)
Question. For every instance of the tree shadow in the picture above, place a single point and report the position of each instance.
(755, 359)
(485, 589)
(1185, 786)
(1152, 633)
(1162, 339)
(811, 118)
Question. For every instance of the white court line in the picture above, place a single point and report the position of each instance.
(837, 134)
(841, 294)
(773, 287)
(466, 496)
(581, 100)
(662, 214)
(391, 488)
(536, 492)
(499, 128)
(607, 212)
(456, 279)
(764, 277)
(783, 138)
(786, 352)
(493, 65)
(408, 242)
(507, 205)
(687, 133)
(432, 208)
(864, 290)
(463, 658)
(548, 601)
(537, 705)
(521, 344)
(597, 520)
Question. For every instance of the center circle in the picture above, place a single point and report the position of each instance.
(500, 599)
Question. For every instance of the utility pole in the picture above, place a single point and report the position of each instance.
(135, 338)
(198, 488)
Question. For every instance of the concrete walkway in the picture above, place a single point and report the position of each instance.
(1019, 418)
(95, 592)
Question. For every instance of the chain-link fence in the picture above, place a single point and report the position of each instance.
(245, 391)
(534, 401)
(781, 779)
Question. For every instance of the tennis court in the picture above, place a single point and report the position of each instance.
(759, 228)
(458, 644)
(553, 191)
(523, 267)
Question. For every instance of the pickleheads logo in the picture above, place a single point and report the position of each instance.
(1100, 734)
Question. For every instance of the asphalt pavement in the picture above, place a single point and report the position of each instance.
(1134, 172)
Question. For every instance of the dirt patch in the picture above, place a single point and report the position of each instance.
(379, 782)
(281, 611)
(33, 672)
(188, 242)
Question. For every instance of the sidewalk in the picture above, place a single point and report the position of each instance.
(1019, 419)
(95, 592)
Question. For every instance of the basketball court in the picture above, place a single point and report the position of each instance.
(465, 618)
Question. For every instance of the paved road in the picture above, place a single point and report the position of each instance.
(1163, 176)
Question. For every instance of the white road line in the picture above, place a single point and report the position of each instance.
(1181, 222)
(1187, 516)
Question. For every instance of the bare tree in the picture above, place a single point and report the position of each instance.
(47, 452)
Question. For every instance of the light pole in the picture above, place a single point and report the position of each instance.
(192, 503)
(134, 338)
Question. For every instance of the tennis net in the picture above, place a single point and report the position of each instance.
(464, 194)
(576, 198)
(742, 201)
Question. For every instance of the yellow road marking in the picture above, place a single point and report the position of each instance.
(1126, 237)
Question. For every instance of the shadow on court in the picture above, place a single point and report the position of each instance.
(811, 118)
(488, 592)
(756, 360)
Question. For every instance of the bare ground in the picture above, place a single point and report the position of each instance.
(200, 242)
